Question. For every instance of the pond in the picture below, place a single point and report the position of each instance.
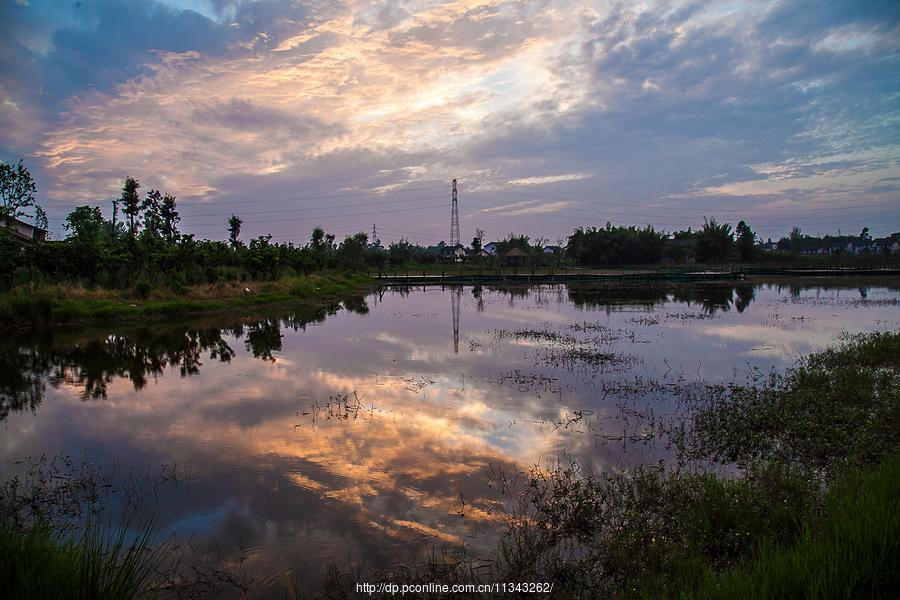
(373, 430)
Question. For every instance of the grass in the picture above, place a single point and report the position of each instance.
(100, 564)
(646, 532)
(66, 303)
(834, 408)
(853, 552)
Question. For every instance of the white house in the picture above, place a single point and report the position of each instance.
(25, 232)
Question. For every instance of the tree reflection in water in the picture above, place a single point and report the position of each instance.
(90, 360)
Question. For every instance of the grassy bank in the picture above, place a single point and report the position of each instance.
(851, 552)
(65, 304)
(97, 565)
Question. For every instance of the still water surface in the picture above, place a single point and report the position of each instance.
(376, 428)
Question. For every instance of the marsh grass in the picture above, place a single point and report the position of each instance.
(836, 408)
(68, 303)
(851, 552)
(118, 562)
(60, 537)
(646, 531)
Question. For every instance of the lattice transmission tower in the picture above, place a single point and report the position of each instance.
(454, 220)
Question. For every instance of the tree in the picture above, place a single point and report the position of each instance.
(476, 244)
(400, 252)
(351, 253)
(17, 191)
(131, 203)
(513, 241)
(152, 209)
(714, 241)
(796, 236)
(615, 245)
(262, 259)
(40, 218)
(85, 223)
(170, 218)
(86, 230)
(746, 241)
(234, 230)
(864, 235)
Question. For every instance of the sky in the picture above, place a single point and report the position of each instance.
(552, 114)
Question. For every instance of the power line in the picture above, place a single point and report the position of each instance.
(886, 204)
(287, 199)
(307, 208)
(320, 217)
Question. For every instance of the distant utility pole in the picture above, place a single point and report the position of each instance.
(454, 220)
(374, 235)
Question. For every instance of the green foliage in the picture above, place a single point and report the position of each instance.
(852, 552)
(262, 258)
(746, 241)
(714, 241)
(17, 190)
(234, 230)
(10, 254)
(143, 288)
(131, 203)
(85, 223)
(170, 218)
(647, 529)
(837, 407)
(352, 251)
(513, 241)
(117, 564)
(149, 247)
(614, 246)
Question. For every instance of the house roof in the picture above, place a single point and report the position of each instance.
(516, 252)
(22, 230)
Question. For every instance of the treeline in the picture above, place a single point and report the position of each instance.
(141, 246)
(613, 246)
(146, 248)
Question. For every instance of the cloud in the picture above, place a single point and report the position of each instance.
(528, 207)
(549, 179)
(668, 111)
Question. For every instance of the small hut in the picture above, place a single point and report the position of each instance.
(515, 257)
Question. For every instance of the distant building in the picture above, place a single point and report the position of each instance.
(490, 248)
(515, 257)
(552, 250)
(457, 252)
(22, 231)
(888, 245)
